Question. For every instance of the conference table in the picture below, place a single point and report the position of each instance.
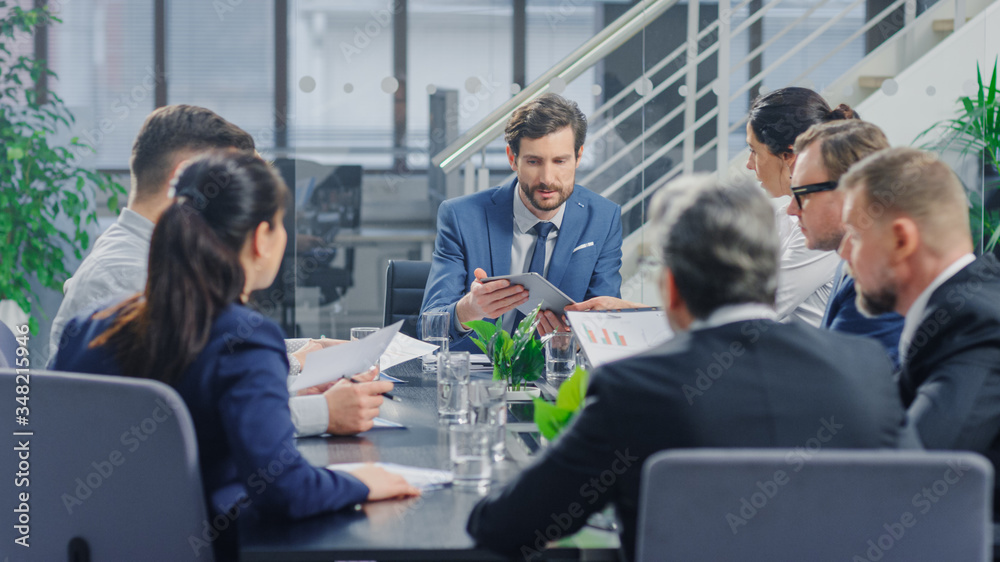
(431, 527)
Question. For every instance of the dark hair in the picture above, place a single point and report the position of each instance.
(542, 116)
(777, 117)
(178, 127)
(194, 263)
(719, 240)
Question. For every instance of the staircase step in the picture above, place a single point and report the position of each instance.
(943, 25)
(872, 82)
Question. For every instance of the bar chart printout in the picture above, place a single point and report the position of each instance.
(607, 336)
(601, 335)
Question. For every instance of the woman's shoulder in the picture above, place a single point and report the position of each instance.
(73, 352)
(238, 326)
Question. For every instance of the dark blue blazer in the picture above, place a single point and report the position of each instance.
(478, 230)
(238, 398)
(842, 315)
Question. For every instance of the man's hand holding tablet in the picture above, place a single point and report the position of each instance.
(489, 299)
(540, 291)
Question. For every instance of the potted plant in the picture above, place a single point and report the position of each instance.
(39, 180)
(517, 359)
(976, 130)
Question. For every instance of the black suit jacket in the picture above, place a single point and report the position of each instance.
(950, 381)
(747, 384)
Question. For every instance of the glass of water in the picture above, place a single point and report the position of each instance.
(488, 408)
(434, 328)
(361, 333)
(560, 357)
(470, 455)
(453, 387)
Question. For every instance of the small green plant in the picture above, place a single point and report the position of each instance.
(975, 130)
(551, 419)
(519, 359)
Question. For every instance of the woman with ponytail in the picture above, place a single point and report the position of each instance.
(222, 238)
(805, 277)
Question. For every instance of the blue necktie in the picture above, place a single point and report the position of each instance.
(537, 265)
(541, 230)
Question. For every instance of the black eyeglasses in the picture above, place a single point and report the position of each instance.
(801, 190)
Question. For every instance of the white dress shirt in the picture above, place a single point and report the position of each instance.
(310, 414)
(734, 313)
(916, 312)
(114, 269)
(805, 277)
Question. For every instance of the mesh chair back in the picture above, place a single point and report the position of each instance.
(111, 467)
(745, 504)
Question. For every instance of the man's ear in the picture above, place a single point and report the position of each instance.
(511, 158)
(579, 156)
(668, 290)
(905, 238)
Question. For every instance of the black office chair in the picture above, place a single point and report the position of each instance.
(404, 293)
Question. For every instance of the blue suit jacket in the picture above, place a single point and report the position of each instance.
(478, 230)
(238, 398)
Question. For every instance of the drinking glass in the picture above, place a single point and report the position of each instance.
(453, 387)
(560, 357)
(488, 408)
(361, 333)
(434, 328)
(470, 455)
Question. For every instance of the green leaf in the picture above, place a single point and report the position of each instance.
(15, 153)
(550, 419)
(484, 330)
(573, 391)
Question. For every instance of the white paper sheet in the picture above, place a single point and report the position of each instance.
(607, 336)
(402, 349)
(423, 478)
(344, 360)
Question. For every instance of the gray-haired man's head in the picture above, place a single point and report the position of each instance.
(719, 241)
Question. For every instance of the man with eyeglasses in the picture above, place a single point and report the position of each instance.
(823, 154)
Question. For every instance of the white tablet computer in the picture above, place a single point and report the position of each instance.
(539, 291)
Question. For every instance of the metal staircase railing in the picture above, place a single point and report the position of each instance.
(684, 62)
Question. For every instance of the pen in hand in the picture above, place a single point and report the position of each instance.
(387, 395)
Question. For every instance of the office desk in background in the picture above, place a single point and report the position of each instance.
(431, 527)
(370, 236)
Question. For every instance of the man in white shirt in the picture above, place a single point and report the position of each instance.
(909, 247)
(117, 265)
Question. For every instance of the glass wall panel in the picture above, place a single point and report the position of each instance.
(103, 54)
(221, 57)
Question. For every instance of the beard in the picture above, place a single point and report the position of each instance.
(531, 193)
(876, 303)
(828, 243)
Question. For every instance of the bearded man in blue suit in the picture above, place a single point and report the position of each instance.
(541, 222)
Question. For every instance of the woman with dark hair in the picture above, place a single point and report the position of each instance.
(222, 238)
(805, 277)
